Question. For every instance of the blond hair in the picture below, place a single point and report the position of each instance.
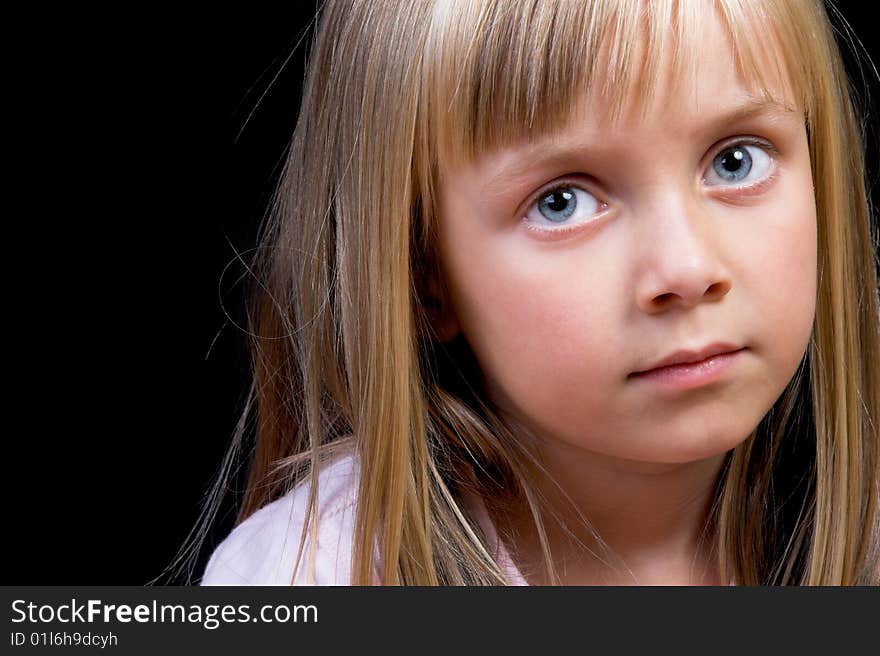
(344, 352)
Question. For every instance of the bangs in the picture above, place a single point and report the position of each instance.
(500, 72)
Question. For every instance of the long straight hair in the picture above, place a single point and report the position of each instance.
(344, 352)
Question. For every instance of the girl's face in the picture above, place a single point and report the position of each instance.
(577, 260)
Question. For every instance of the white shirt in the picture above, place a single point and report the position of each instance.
(262, 550)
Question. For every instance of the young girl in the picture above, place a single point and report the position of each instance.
(575, 292)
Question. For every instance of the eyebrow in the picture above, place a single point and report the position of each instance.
(752, 108)
(542, 154)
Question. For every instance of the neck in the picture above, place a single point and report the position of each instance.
(647, 521)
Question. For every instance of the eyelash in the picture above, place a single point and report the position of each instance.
(740, 190)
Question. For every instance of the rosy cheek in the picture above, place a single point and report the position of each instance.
(537, 340)
(787, 254)
(506, 317)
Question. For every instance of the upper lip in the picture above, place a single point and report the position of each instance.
(689, 356)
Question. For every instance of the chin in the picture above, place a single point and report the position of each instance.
(701, 447)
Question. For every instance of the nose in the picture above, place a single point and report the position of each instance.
(681, 265)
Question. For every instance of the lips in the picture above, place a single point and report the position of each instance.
(690, 356)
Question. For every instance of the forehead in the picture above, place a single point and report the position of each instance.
(609, 65)
(690, 79)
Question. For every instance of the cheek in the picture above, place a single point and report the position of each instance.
(783, 275)
(508, 311)
(540, 333)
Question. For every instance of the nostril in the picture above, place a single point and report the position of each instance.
(716, 289)
(690, 295)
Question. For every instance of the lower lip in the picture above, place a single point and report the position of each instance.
(694, 374)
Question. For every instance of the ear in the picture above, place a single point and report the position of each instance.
(438, 308)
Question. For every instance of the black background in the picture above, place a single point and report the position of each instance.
(144, 148)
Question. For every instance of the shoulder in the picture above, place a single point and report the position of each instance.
(262, 549)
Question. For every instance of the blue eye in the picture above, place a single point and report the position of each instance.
(558, 205)
(739, 163)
